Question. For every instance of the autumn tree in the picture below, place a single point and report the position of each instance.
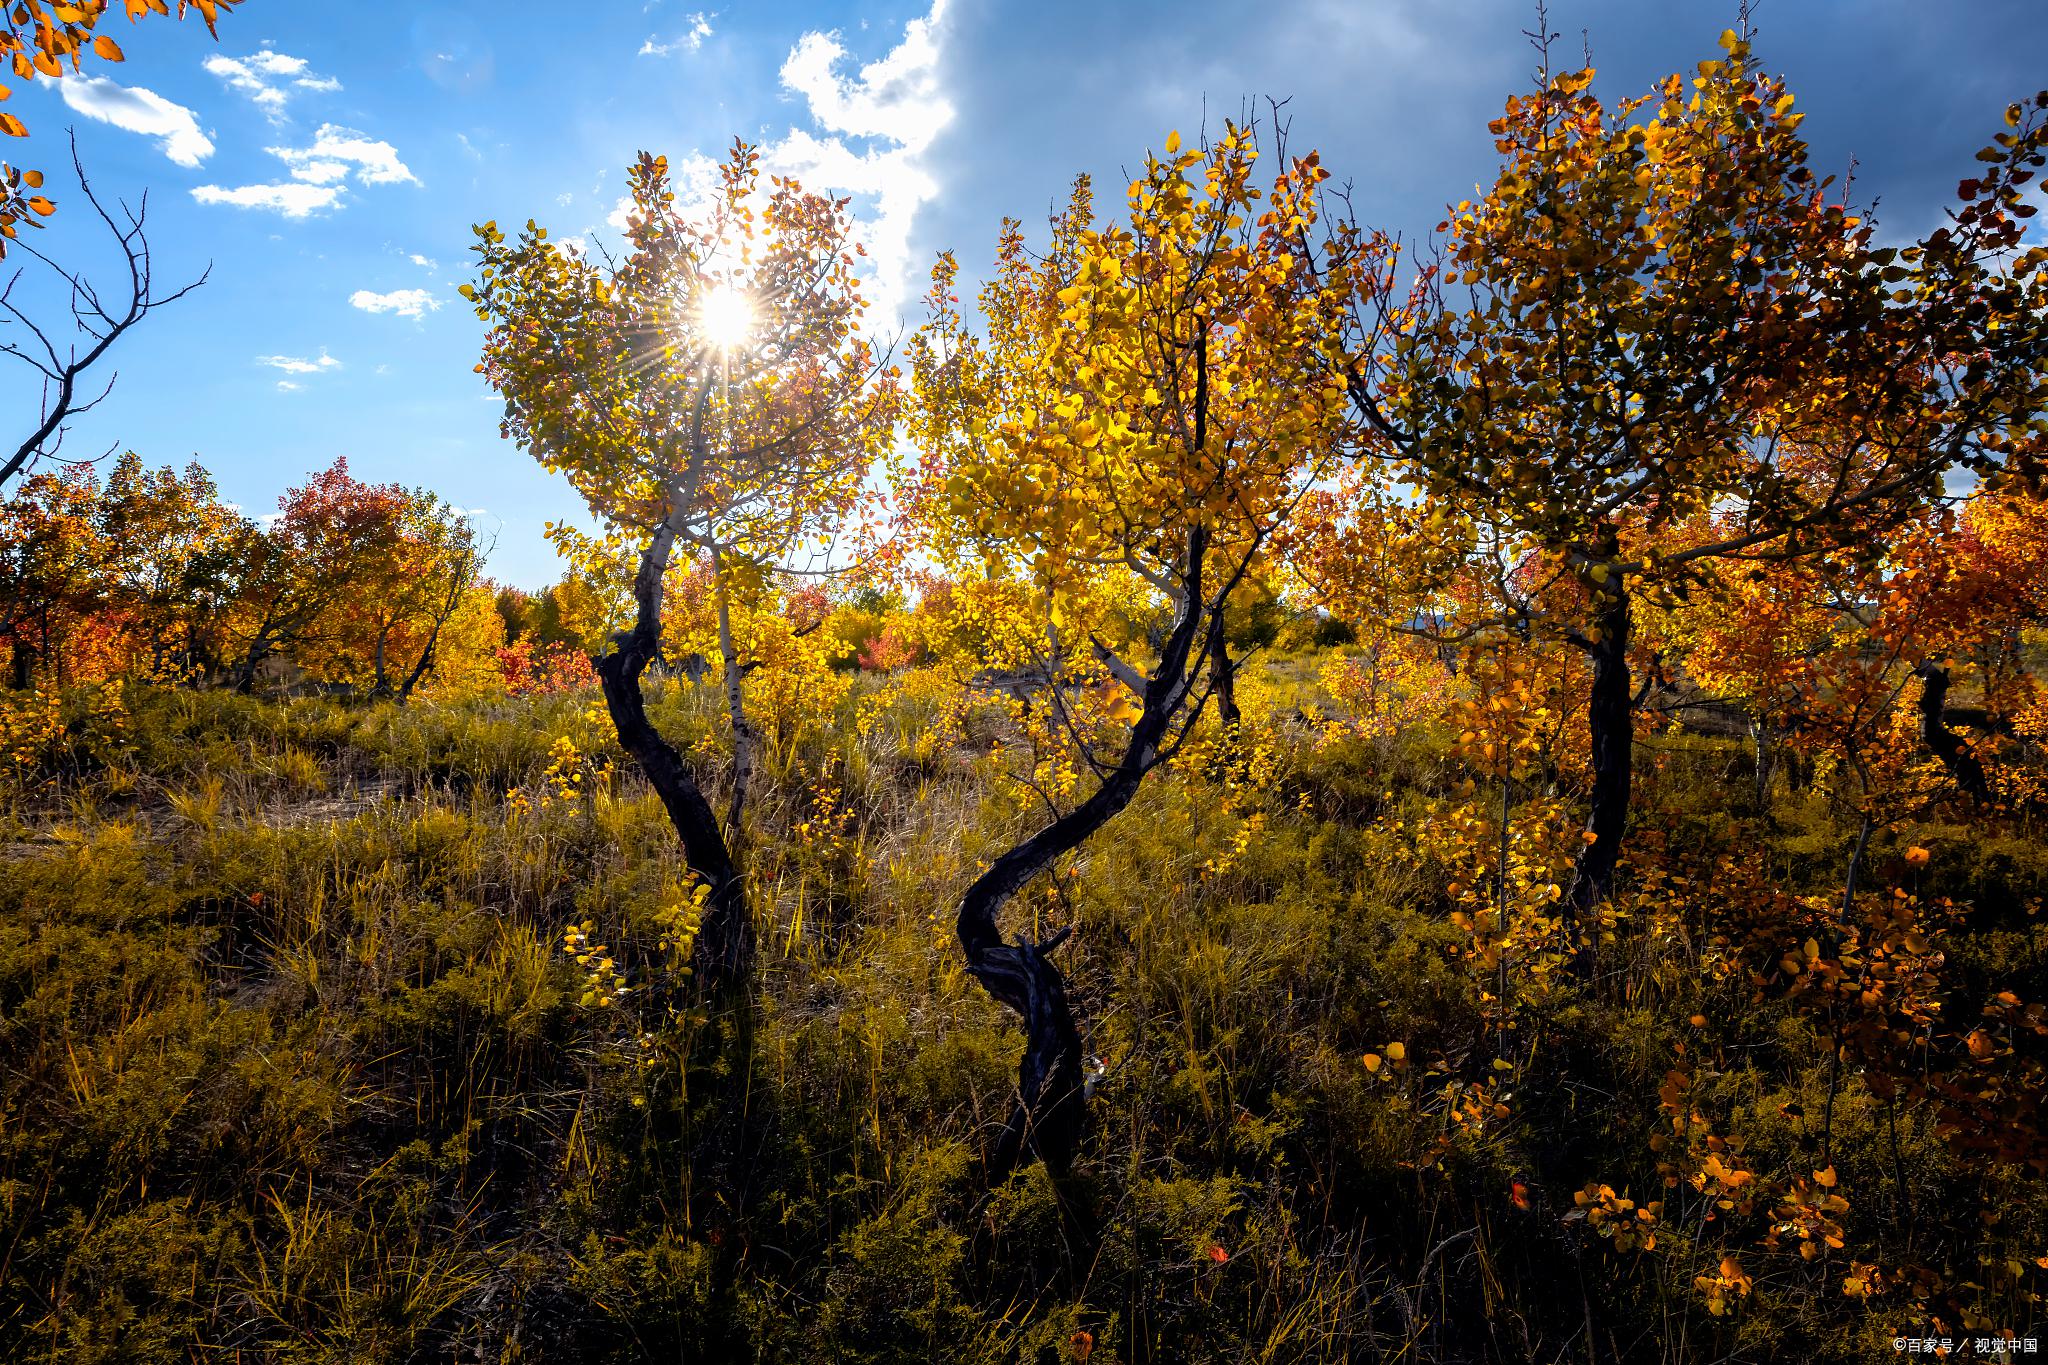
(1666, 322)
(291, 576)
(709, 394)
(51, 547)
(168, 546)
(409, 579)
(1845, 662)
(1140, 409)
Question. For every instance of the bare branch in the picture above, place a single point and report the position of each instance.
(91, 317)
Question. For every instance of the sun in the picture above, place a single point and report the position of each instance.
(726, 317)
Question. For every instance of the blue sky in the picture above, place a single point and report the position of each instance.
(329, 159)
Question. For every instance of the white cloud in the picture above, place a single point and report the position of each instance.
(870, 133)
(893, 109)
(689, 40)
(571, 246)
(139, 111)
(897, 98)
(293, 201)
(286, 386)
(898, 105)
(424, 262)
(269, 78)
(292, 364)
(318, 173)
(337, 150)
(407, 303)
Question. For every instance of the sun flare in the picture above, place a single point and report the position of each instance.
(726, 316)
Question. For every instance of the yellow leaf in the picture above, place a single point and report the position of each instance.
(107, 49)
(1173, 142)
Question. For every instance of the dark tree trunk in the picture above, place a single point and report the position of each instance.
(24, 666)
(1223, 678)
(723, 956)
(458, 584)
(1047, 1119)
(1611, 720)
(421, 667)
(1760, 734)
(745, 742)
(1946, 744)
(245, 672)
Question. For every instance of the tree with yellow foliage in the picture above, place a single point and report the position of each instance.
(1144, 405)
(709, 394)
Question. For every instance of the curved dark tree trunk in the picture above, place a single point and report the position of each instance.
(1610, 718)
(1047, 1119)
(1946, 744)
(723, 956)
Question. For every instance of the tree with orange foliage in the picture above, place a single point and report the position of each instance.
(291, 576)
(1669, 323)
(408, 583)
(51, 546)
(168, 539)
(1846, 659)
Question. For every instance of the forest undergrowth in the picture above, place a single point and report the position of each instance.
(334, 1032)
